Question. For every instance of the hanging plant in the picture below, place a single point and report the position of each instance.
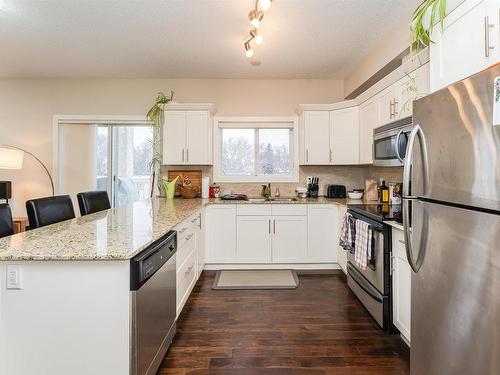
(156, 116)
(424, 19)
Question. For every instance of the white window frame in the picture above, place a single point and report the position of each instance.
(271, 122)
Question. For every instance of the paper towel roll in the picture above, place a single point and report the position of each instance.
(205, 182)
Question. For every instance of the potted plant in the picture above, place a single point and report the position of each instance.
(423, 21)
(156, 116)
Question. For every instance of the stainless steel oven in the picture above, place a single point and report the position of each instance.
(372, 285)
(389, 143)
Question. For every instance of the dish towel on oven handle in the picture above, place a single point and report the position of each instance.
(363, 244)
(347, 233)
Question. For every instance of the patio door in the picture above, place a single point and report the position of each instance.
(123, 154)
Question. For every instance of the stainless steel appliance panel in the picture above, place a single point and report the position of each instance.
(370, 297)
(389, 143)
(375, 273)
(462, 143)
(153, 319)
(455, 325)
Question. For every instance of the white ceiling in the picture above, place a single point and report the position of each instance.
(190, 38)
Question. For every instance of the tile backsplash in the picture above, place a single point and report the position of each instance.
(352, 176)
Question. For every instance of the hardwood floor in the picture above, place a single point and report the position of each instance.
(318, 329)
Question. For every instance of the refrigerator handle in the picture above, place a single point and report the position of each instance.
(416, 132)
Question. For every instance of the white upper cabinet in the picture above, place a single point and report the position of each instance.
(187, 137)
(411, 87)
(174, 137)
(330, 137)
(344, 136)
(316, 138)
(388, 105)
(198, 138)
(468, 43)
(368, 120)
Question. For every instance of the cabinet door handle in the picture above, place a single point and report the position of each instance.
(274, 226)
(269, 226)
(401, 241)
(394, 106)
(187, 155)
(183, 155)
(331, 157)
(307, 155)
(487, 27)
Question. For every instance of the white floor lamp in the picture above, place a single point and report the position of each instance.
(11, 157)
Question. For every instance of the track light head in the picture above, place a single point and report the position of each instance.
(265, 4)
(248, 49)
(256, 17)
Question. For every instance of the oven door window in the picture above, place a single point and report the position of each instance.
(385, 148)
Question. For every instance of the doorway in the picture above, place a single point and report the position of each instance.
(111, 156)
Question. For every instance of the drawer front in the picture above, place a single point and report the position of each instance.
(289, 209)
(188, 246)
(253, 209)
(186, 275)
(398, 244)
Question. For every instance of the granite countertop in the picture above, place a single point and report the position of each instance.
(116, 234)
(319, 200)
(119, 233)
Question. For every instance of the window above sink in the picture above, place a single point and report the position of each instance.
(256, 149)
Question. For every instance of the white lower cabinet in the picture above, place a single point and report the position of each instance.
(253, 239)
(401, 285)
(322, 233)
(289, 242)
(221, 233)
(272, 234)
(190, 257)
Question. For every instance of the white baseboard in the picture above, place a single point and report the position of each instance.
(302, 266)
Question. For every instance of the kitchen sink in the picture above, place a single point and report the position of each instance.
(260, 199)
(283, 199)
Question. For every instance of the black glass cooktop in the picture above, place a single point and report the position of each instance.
(378, 212)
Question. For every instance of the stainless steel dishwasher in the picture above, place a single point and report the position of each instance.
(153, 299)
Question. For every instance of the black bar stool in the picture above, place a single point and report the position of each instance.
(6, 224)
(50, 210)
(93, 201)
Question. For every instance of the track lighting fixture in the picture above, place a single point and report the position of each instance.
(256, 15)
(265, 4)
(255, 36)
(248, 49)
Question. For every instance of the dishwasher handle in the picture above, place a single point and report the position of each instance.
(145, 264)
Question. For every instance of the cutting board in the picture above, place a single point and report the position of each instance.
(195, 177)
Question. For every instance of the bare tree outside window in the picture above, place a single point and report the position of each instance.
(240, 157)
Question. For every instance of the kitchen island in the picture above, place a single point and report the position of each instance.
(68, 309)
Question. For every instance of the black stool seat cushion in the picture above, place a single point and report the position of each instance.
(6, 224)
(50, 210)
(93, 201)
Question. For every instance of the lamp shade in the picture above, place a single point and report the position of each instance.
(10, 158)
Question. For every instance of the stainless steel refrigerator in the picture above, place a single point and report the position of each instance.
(453, 244)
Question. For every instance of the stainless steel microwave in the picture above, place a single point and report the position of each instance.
(389, 143)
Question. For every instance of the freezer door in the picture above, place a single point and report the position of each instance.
(455, 327)
(462, 142)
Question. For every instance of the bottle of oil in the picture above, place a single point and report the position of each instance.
(384, 193)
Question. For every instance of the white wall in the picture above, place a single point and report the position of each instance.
(377, 57)
(27, 107)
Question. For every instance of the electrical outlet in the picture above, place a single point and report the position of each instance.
(14, 280)
(309, 179)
